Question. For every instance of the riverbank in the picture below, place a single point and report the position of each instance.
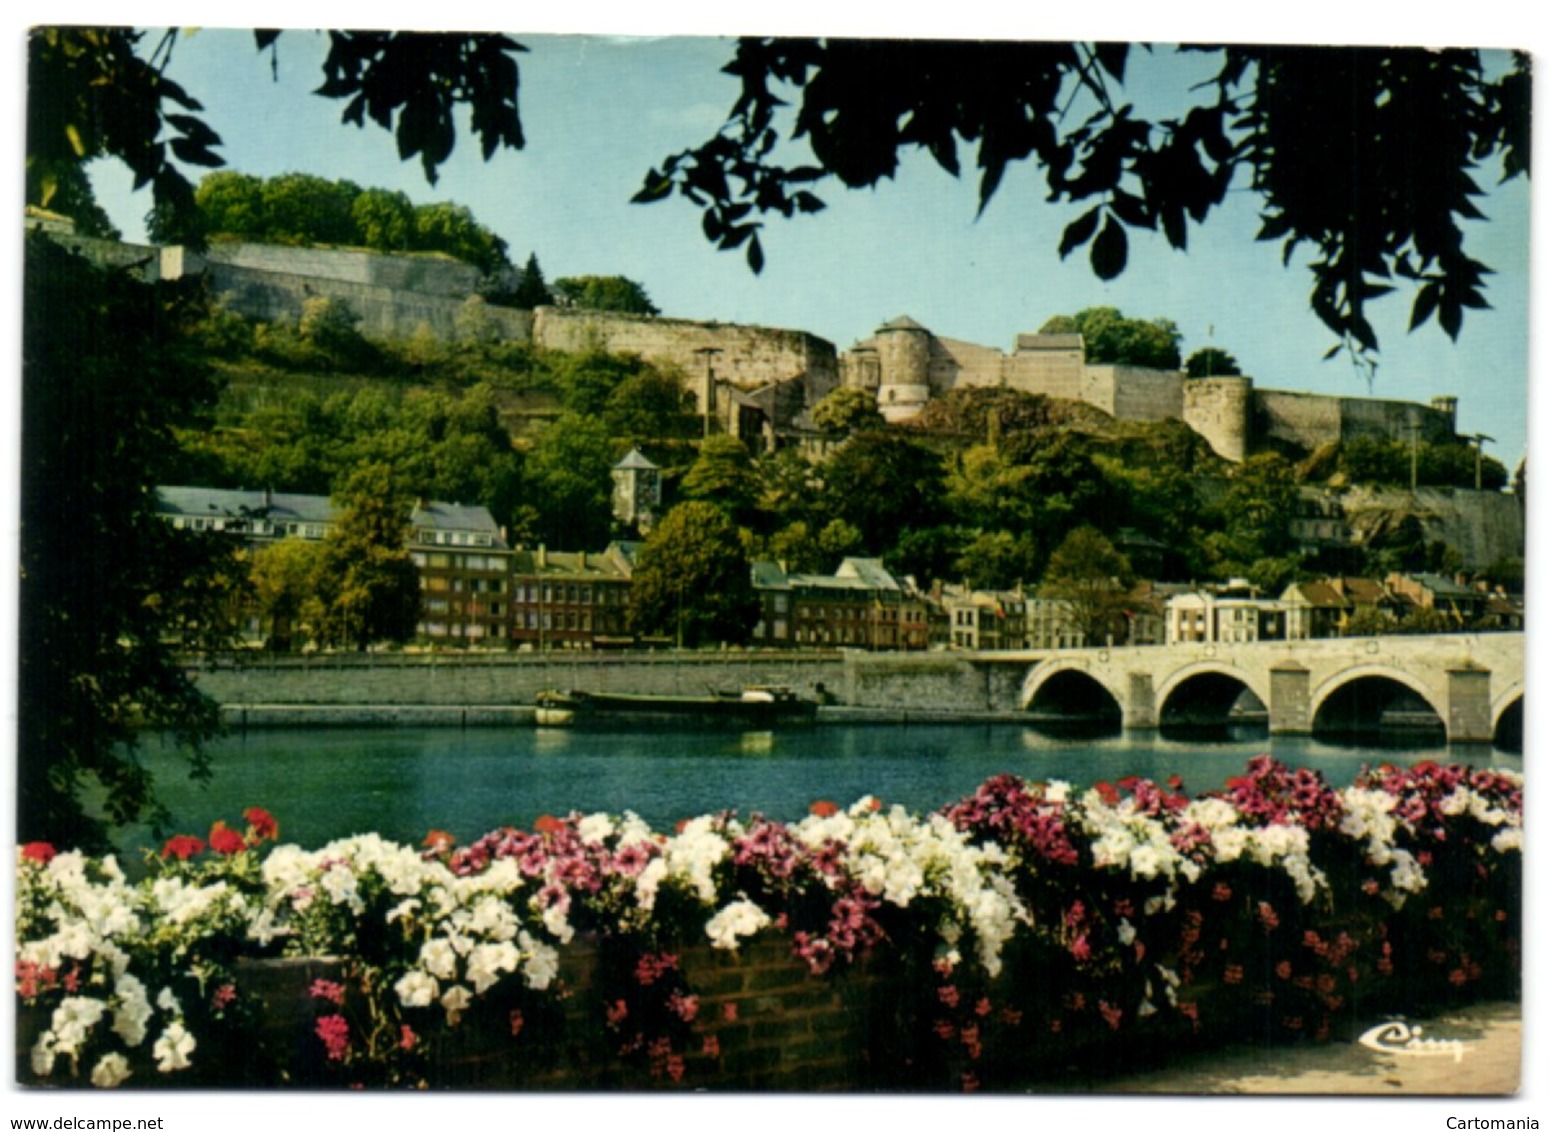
(241, 717)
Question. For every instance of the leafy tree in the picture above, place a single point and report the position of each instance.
(723, 475)
(929, 554)
(105, 582)
(285, 578)
(300, 208)
(1093, 580)
(692, 580)
(570, 483)
(382, 220)
(1259, 507)
(1326, 137)
(368, 584)
(652, 404)
(999, 560)
(604, 293)
(1211, 361)
(71, 194)
(451, 229)
(532, 291)
(882, 484)
(846, 410)
(1111, 339)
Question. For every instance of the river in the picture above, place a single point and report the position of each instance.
(332, 782)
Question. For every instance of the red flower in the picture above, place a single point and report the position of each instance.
(335, 1032)
(406, 1038)
(225, 840)
(262, 824)
(40, 851)
(823, 809)
(1108, 793)
(548, 823)
(183, 846)
(438, 841)
(517, 1022)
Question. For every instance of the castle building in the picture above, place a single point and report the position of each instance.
(906, 366)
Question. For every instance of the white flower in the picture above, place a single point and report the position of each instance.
(438, 957)
(742, 917)
(455, 1000)
(132, 1017)
(73, 1021)
(417, 989)
(595, 827)
(167, 1001)
(1507, 840)
(487, 961)
(111, 1072)
(542, 962)
(173, 1047)
(43, 1054)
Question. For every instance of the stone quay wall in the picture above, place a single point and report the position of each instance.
(497, 688)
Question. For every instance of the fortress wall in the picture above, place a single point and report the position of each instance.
(1305, 419)
(1145, 394)
(111, 253)
(752, 356)
(1362, 417)
(1049, 372)
(426, 275)
(954, 364)
(383, 312)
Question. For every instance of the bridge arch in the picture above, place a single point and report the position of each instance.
(1204, 694)
(1343, 692)
(1071, 689)
(1506, 718)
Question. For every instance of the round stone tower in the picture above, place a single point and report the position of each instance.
(903, 352)
(1221, 410)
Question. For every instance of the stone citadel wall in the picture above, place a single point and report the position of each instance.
(904, 363)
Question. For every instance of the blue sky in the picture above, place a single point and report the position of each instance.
(599, 110)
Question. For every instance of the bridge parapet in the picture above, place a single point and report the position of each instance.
(1468, 680)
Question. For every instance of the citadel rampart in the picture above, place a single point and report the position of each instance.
(776, 372)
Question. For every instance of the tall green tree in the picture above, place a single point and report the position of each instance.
(105, 582)
(367, 583)
(1092, 579)
(569, 477)
(846, 410)
(285, 577)
(1211, 361)
(723, 474)
(693, 581)
(531, 292)
(882, 484)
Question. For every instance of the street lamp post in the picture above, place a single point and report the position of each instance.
(1480, 440)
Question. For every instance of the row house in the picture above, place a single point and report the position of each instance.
(1324, 608)
(570, 600)
(984, 620)
(1233, 613)
(861, 605)
(460, 552)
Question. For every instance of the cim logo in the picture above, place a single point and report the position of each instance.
(1401, 1038)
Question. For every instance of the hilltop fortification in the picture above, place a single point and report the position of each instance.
(759, 381)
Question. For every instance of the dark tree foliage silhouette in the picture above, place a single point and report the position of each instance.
(106, 584)
(1366, 155)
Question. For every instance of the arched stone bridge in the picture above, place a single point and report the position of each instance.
(1472, 682)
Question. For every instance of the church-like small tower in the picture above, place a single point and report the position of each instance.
(637, 491)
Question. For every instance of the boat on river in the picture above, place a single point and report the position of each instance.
(759, 706)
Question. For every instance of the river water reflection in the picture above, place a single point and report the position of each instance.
(327, 783)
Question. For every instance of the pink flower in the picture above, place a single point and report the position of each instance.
(335, 1032)
(406, 1038)
(322, 988)
(1080, 950)
(729, 1011)
(517, 1021)
(712, 1047)
(223, 996)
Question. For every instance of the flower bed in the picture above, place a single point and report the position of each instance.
(865, 947)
